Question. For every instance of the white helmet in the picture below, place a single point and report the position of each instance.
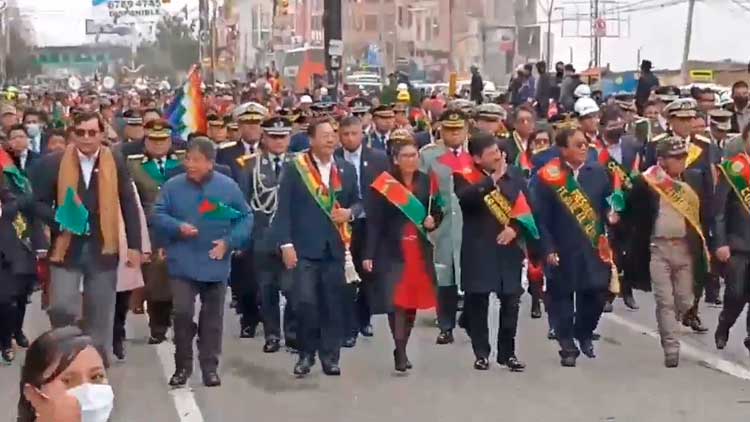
(582, 91)
(585, 106)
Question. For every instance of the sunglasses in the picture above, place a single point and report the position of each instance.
(86, 132)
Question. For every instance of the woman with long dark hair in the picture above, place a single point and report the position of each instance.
(64, 380)
(400, 213)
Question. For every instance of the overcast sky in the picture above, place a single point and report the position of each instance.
(720, 31)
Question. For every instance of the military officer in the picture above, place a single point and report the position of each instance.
(444, 160)
(720, 122)
(217, 129)
(490, 118)
(259, 177)
(150, 170)
(384, 120)
(361, 107)
(250, 116)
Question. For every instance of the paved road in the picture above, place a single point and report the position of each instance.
(626, 383)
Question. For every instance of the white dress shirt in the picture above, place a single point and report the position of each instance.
(354, 158)
(22, 160)
(615, 151)
(275, 162)
(87, 165)
(325, 170)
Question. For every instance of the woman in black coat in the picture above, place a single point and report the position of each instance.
(398, 251)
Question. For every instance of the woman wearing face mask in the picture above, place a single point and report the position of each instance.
(63, 380)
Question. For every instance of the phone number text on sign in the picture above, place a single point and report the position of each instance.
(134, 8)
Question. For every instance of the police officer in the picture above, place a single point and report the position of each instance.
(259, 177)
(384, 120)
(489, 118)
(249, 116)
(361, 107)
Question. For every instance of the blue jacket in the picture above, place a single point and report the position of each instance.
(300, 142)
(178, 203)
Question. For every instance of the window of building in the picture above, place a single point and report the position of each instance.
(389, 24)
(400, 16)
(371, 22)
(435, 28)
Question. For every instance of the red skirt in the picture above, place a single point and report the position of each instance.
(415, 289)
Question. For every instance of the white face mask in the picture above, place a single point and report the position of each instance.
(33, 130)
(97, 401)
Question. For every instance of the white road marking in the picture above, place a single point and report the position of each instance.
(711, 359)
(183, 398)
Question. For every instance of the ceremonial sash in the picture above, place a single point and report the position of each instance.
(737, 172)
(8, 167)
(522, 159)
(606, 160)
(694, 152)
(324, 197)
(680, 196)
(575, 201)
(402, 198)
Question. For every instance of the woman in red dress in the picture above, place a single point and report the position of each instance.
(397, 250)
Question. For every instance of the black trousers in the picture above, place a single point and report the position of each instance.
(12, 313)
(273, 279)
(447, 306)
(245, 285)
(576, 315)
(736, 292)
(356, 309)
(159, 317)
(318, 295)
(210, 327)
(476, 306)
(122, 305)
(359, 316)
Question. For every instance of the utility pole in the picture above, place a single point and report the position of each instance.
(451, 63)
(688, 36)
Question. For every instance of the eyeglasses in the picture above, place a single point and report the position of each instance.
(86, 132)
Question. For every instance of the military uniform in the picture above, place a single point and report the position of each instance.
(447, 237)
(376, 139)
(228, 153)
(149, 174)
(258, 177)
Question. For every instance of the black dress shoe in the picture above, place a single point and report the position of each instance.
(513, 364)
(445, 337)
(8, 355)
(331, 369)
(211, 379)
(21, 340)
(482, 364)
(366, 331)
(587, 348)
(118, 349)
(536, 308)
(608, 307)
(248, 332)
(349, 342)
(721, 337)
(551, 334)
(694, 322)
(596, 336)
(747, 343)
(304, 364)
(272, 346)
(408, 363)
(157, 339)
(180, 378)
(568, 361)
(630, 302)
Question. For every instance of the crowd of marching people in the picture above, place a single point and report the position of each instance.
(319, 211)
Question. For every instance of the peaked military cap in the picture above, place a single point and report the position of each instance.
(360, 105)
(384, 111)
(252, 113)
(721, 119)
(682, 107)
(132, 117)
(453, 119)
(491, 111)
(277, 125)
(214, 120)
(671, 146)
(158, 129)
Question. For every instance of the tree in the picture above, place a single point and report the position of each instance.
(174, 50)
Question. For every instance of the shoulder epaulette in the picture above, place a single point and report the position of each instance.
(659, 137)
(135, 157)
(428, 147)
(180, 154)
(226, 145)
(703, 139)
(242, 160)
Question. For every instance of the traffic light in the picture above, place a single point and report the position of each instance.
(284, 7)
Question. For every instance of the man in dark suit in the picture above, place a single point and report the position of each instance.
(524, 125)
(620, 155)
(318, 197)
(87, 174)
(368, 163)
(564, 190)
(492, 256)
(18, 145)
(133, 133)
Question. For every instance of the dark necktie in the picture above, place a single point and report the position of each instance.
(455, 152)
(277, 165)
(160, 163)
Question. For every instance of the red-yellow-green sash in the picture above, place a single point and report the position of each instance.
(402, 198)
(680, 196)
(575, 201)
(612, 166)
(737, 172)
(324, 197)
